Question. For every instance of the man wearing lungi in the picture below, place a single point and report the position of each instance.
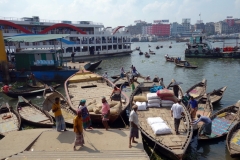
(207, 126)
(56, 109)
(176, 113)
(194, 107)
(133, 119)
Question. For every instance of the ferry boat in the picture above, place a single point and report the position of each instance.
(200, 48)
(87, 39)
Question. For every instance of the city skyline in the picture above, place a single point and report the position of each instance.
(117, 13)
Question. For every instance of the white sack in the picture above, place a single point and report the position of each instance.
(152, 96)
(141, 105)
(152, 120)
(160, 128)
(154, 101)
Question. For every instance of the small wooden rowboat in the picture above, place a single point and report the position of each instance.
(205, 108)
(172, 145)
(233, 139)
(33, 114)
(140, 53)
(216, 95)
(182, 64)
(68, 113)
(91, 87)
(28, 92)
(198, 89)
(10, 120)
(147, 55)
(222, 122)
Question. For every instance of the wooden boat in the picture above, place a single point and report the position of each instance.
(157, 47)
(91, 87)
(92, 65)
(216, 95)
(147, 55)
(172, 145)
(10, 119)
(149, 46)
(151, 52)
(222, 122)
(182, 64)
(33, 114)
(140, 53)
(171, 59)
(39, 84)
(27, 92)
(198, 89)
(205, 108)
(138, 48)
(232, 140)
(68, 113)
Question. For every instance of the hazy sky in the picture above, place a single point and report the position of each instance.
(121, 12)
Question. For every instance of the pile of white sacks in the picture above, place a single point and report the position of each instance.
(158, 125)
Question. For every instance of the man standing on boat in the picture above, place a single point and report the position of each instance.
(176, 113)
(116, 95)
(194, 107)
(56, 109)
(133, 120)
(72, 55)
(207, 126)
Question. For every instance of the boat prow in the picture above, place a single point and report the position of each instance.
(216, 95)
(33, 114)
(10, 119)
(222, 122)
(198, 90)
(68, 113)
(92, 65)
(91, 87)
(172, 145)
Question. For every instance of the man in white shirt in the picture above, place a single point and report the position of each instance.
(176, 113)
(133, 119)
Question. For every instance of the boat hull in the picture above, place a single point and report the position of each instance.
(92, 66)
(28, 94)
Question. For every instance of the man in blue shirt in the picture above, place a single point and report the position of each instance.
(207, 126)
(194, 107)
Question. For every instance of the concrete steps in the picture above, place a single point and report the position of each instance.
(83, 155)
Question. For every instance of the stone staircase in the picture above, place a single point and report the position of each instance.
(83, 155)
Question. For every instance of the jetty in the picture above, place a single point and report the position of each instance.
(43, 144)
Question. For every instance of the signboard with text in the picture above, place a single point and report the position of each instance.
(161, 21)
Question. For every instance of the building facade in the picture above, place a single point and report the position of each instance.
(209, 28)
(161, 29)
(176, 29)
(186, 23)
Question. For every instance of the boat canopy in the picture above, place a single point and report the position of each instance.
(35, 37)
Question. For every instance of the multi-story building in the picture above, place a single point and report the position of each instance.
(209, 28)
(186, 22)
(161, 29)
(136, 29)
(176, 29)
(200, 26)
(147, 30)
(221, 27)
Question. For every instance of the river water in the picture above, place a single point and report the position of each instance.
(218, 72)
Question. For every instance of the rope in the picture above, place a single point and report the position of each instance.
(153, 150)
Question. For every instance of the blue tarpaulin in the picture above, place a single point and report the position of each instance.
(154, 89)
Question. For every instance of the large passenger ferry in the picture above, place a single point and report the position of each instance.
(86, 38)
